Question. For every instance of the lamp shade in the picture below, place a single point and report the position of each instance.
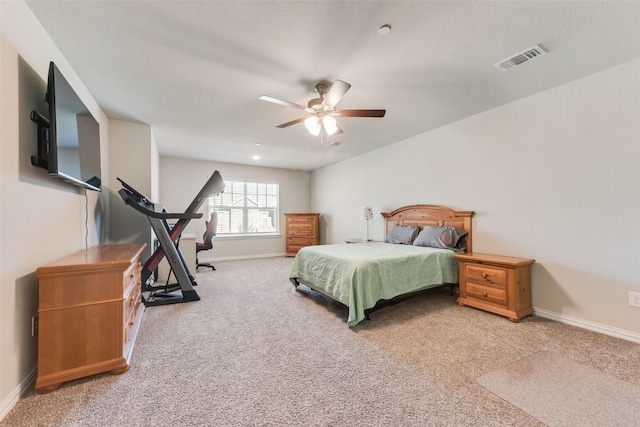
(367, 213)
(313, 125)
(329, 124)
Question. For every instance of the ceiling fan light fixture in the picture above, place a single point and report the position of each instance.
(321, 121)
(329, 124)
(313, 125)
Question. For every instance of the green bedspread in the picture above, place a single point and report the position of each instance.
(359, 275)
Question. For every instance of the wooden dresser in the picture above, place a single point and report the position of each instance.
(89, 313)
(499, 284)
(303, 229)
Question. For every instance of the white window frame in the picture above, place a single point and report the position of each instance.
(246, 204)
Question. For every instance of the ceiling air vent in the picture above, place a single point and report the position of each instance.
(520, 58)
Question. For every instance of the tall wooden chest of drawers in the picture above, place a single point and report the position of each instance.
(495, 283)
(89, 313)
(303, 229)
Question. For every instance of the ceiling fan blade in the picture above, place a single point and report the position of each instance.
(339, 131)
(292, 122)
(361, 113)
(335, 93)
(281, 102)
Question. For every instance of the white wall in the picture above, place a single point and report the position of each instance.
(554, 177)
(41, 219)
(181, 179)
(134, 158)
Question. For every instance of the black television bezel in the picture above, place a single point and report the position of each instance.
(47, 136)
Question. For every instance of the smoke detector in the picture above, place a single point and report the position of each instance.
(520, 58)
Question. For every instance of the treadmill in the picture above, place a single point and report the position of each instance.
(168, 236)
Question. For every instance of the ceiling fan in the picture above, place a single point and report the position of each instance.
(323, 110)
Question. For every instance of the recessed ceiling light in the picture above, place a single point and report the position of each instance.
(384, 30)
(256, 157)
(257, 143)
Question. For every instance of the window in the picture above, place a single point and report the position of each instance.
(246, 208)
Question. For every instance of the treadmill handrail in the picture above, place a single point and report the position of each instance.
(152, 213)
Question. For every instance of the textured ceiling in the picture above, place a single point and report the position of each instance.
(194, 70)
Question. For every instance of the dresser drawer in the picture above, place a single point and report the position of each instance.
(487, 293)
(300, 232)
(487, 276)
(130, 303)
(131, 276)
(299, 242)
(301, 219)
(130, 322)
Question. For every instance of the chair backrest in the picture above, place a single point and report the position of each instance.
(209, 232)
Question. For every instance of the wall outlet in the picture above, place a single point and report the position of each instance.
(634, 299)
(34, 325)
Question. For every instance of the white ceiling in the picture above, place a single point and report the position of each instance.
(194, 70)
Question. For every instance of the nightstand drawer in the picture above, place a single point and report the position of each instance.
(487, 293)
(488, 276)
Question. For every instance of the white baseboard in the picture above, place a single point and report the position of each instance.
(233, 258)
(10, 401)
(585, 324)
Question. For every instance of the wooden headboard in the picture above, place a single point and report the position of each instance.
(430, 215)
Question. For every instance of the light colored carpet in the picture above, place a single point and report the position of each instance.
(256, 352)
(560, 392)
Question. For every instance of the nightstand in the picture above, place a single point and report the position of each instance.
(496, 283)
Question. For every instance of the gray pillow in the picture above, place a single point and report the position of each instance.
(443, 238)
(403, 235)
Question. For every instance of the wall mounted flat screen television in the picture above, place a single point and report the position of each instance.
(69, 140)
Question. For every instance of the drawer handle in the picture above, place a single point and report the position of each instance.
(484, 294)
(485, 275)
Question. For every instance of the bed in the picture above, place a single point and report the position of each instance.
(363, 275)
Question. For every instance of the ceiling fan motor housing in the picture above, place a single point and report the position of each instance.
(321, 89)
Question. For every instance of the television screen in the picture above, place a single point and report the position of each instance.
(73, 149)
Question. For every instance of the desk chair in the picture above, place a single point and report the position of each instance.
(207, 244)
